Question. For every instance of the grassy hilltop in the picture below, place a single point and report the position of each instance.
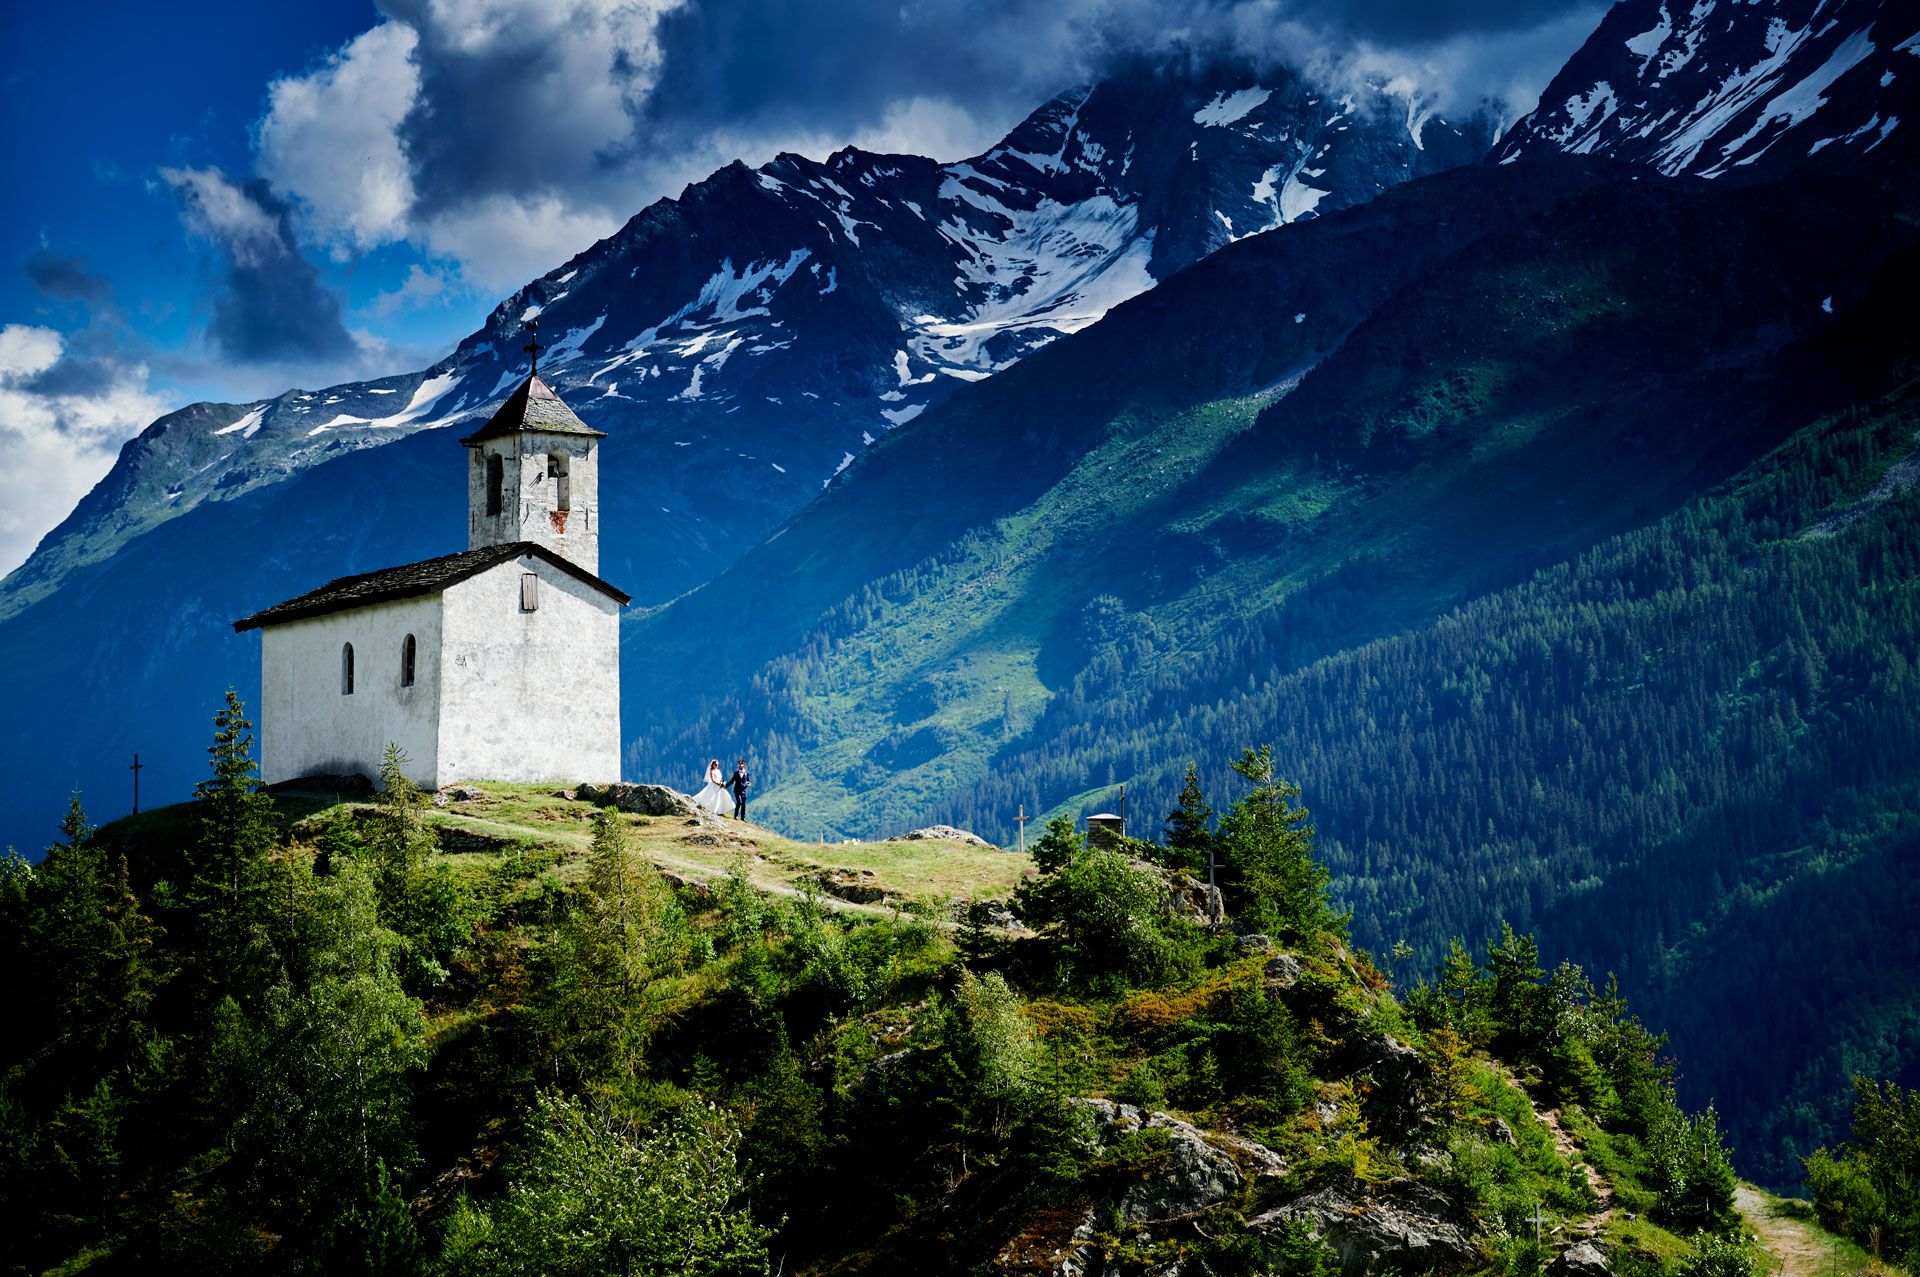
(505, 1030)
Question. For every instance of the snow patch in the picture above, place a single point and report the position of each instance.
(248, 425)
(901, 416)
(1799, 103)
(1228, 107)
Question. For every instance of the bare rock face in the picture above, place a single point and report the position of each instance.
(1400, 1225)
(1400, 1075)
(642, 800)
(855, 888)
(1285, 969)
(944, 833)
(1196, 1176)
(1583, 1260)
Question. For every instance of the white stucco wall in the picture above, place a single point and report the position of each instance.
(528, 496)
(529, 697)
(309, 728)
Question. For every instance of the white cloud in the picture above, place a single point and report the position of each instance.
(331, 136)
(420, 288)
(59, 439)
(219, 210)
(1463, 72)
(501, 241)
(932, 127)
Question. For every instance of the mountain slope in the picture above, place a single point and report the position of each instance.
(760, 328)
(1747, 90)
(738, 345)
(1050, 588)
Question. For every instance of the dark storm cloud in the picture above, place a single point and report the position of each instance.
(270, 305)
(578, 98)
(67, 279)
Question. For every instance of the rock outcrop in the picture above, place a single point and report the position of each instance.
(944, 833)
(993, 913)
(1582, 1260)
(855, 887)
(1195, 1176)
(1400, 1075)
(1400, 1225)
(642, 800)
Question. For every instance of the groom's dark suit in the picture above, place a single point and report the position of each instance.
(740, 784)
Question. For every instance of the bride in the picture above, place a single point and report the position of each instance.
(714, 797)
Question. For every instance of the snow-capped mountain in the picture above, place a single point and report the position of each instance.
(751, 336)
(1736, 88)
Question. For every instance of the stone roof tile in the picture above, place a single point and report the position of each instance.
(533, 406)
(429, 576)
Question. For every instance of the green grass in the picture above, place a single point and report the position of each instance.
(540, 830)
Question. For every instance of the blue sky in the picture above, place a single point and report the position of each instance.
(227, 199)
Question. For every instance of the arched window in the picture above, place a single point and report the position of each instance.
(406, 661)
(496, 480)
(557, 468)
(346, 669)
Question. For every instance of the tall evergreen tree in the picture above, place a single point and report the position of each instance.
(1187, 832)
(1269, 847)
(231, 877)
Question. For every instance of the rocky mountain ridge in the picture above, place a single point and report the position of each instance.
(756, 333)
(1746, 91)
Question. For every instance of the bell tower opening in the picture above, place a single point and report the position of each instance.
(535, 475)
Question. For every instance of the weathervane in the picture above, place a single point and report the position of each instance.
(533, 346)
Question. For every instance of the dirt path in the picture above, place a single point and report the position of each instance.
(1799, 1248)
(1563, 1144)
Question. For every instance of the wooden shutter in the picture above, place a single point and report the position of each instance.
(529, 592)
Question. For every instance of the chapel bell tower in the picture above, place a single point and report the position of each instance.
(535, 475)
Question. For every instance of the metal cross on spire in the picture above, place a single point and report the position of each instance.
(533, 346)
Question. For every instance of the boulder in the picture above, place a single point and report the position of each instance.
(1254, 943)
(1400, 1075)
(1196, 1176)
(850, 886)
(694, 885)
(641, 800)
(1399, 1225)
(993, 913)
(943, 833)
(1500, 1133)
(1285, 969)
(1256, 1158)
(1581, 1260)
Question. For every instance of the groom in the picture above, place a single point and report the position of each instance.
(740, 783)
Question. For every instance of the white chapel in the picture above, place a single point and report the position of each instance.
(499, 663)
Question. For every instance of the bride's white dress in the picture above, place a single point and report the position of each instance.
(714, 797)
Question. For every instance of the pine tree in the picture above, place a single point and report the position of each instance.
(1187, 831)
(231, 883)
(401, 843)
(1269, 847)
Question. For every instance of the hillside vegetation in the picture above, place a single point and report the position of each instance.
(1575, 582)
(288, 1034)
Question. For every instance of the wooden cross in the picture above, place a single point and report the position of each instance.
(135, 769)
(533, 346)
(1022, 818)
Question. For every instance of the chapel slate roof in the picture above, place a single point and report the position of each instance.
(533, 406)
(429, 576)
